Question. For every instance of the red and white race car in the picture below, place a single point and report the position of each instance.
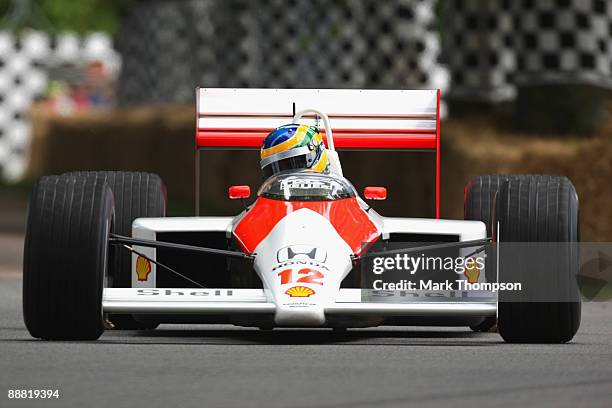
(100, 253)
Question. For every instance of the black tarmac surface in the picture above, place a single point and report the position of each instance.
(225, 366)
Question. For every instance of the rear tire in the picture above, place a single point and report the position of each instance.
(479, 197)
(65, 257)
(137, 194)
(538, 209)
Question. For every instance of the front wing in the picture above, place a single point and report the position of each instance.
(254, 301)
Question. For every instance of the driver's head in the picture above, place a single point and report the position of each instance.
(293, 147)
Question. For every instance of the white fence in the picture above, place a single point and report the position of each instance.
(169, 47)
(25, 61)
(495, 46)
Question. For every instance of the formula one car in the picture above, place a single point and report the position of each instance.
(100, 253)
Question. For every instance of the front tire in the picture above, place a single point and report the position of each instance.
(543, 212)
(65, 257)
(137, 194)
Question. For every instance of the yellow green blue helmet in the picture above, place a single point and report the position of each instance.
(293, 147)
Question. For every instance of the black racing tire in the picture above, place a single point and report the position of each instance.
(543, 211)
(479, 197)
(486, 325)
(65, 257)
(137, 194)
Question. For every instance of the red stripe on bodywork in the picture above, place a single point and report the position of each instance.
(346, 216)
(425, 140)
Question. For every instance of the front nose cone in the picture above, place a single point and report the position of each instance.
(301, 263)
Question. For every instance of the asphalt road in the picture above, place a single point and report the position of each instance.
(224, 366)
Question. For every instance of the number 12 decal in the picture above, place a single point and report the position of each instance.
(312, 276)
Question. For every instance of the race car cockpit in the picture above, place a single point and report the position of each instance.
(306, 186)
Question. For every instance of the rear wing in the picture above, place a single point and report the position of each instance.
(361, 119)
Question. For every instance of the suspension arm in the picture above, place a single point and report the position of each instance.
(122, 240)
(426, 248)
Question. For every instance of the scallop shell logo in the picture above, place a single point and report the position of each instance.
(300, 291)
(143, 268)
(472, 272)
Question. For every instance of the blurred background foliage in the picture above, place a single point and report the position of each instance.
(84, 16)
(81, 16)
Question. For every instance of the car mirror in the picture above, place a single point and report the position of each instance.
(375, 193)
(236, 192)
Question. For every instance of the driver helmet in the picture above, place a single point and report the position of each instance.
(293, 147)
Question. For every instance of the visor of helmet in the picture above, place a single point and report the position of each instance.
(290, 163)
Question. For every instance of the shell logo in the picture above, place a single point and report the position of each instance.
(143, 268)
(472, 272)
(300, 291)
